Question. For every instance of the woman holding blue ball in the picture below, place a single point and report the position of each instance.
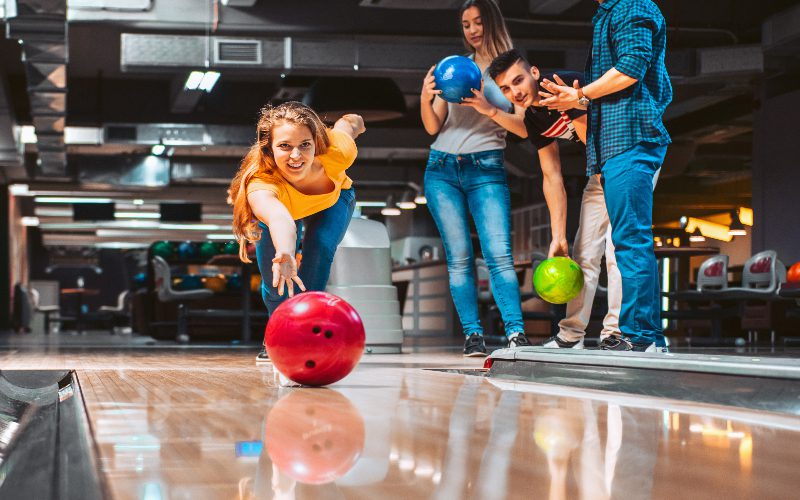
(465, 176)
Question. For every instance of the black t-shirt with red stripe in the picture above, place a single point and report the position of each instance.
(545, 126)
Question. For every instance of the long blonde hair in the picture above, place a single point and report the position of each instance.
(260, 160)
(495, 33)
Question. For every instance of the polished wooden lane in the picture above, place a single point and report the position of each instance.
(209, 424)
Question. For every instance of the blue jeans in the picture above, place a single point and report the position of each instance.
(628, 185)
(457, 186)
(321, 234)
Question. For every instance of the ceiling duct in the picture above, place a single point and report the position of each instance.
(41, 27)
(375, 99)
(147, 52)
(733, 60)
(10, 156)
(782, 32)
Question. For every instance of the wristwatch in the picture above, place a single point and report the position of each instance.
(582, 99)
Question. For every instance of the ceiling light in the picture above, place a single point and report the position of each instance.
(227, 237)
(375, 99)
(420, 199)
(209, 80)
(746, 216)
(27, 134)
(406, 203)
(697, 236)
(18, 190)
(158, 149)
(390, 211)
(370, 204)
(138, 201)
(737, 228)
(708, 228)
(30, 221)
(70, 199)
(137, 215)
(194, 80)
(192, 227)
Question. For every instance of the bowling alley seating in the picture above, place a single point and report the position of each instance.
(702, 305)
(46, 311)
(165, 293)
(760, 307)
(117, 313)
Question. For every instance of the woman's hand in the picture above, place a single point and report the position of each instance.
(284, 273)
(479, 103)
(429, 90)
(351, 124)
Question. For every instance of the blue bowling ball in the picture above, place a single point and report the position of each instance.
(139, 280)
(456, 76)
(234, 283)
(187, 250)
(191, 282)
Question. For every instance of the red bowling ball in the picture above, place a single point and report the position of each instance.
(793, 276)
(314, 436)
(315, 338)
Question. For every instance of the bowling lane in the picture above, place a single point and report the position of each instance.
(206, 424)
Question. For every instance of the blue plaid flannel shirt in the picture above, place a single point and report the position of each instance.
(629, 35)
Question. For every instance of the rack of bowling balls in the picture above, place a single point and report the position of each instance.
(199, 253)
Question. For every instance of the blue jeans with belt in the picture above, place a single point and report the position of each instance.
(628, 187)
(321, 234)
(457, 186)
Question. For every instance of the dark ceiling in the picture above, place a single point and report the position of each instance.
(711, 118)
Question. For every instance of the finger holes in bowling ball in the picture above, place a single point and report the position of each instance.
(310, 363)
(328, 334)
(317, 448)
(316, 330)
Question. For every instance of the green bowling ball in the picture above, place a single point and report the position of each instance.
(230, 248)
(208, 249)
(558, 280)
(163, 249)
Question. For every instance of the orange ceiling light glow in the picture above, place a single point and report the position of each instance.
(708, 229)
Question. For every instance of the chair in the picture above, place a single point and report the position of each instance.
(762, 276)
(703, 302)
(119, 311)
(45, 310)
(760, 309)
(165, 293)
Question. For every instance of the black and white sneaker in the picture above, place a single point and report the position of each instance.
(613, 343)
(556, 342)
(475, 346)
(262, 357)
(519, 340)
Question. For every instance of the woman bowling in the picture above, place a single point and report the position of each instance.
(465, 176)
(294, 175)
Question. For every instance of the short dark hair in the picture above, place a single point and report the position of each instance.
(504, 61)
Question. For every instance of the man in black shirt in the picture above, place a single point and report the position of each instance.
(520, 83)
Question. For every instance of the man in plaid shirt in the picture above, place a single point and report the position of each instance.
(626, 144)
